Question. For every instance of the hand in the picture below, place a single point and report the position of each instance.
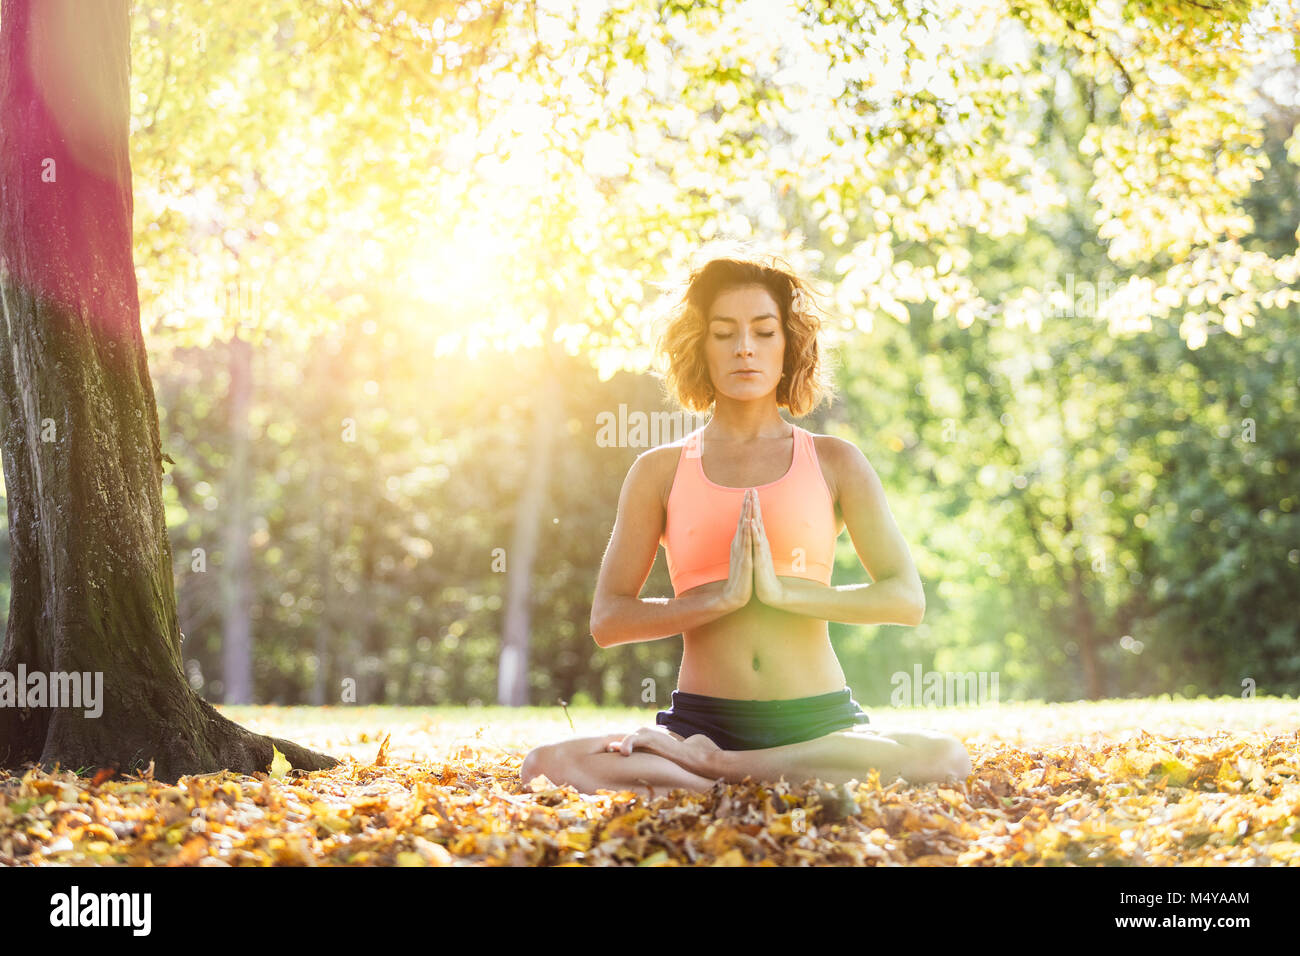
(696, 753)
(740, 581)
(655, 740)
(767, 586)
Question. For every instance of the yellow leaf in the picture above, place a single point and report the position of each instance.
(435, 854)
(279, 764)
(574, 840)
(1175, 769)
(952, 797)
(1227, 772)
(732, 857)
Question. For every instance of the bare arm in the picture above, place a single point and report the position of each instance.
(618, 614)
(887, 601)
(895, 595)
(628, 620)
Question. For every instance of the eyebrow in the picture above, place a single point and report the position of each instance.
(724, 318)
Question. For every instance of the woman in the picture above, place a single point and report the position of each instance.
(748, 509)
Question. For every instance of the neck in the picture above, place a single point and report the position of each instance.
(744, 421)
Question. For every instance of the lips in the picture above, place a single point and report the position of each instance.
(745, 371)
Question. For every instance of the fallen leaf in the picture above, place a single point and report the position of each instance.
(279, 764)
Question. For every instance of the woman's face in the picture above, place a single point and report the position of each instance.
(745, 333)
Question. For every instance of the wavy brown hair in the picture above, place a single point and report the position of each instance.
(807, 379)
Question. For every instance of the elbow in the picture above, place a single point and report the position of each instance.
(597, 625)
(918, 607)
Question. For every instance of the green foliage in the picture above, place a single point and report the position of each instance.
(398, 202)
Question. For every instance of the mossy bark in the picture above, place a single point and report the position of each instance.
(91, 564)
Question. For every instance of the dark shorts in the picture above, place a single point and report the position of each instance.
(758, 724)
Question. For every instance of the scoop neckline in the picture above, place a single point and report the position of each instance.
(794, 459)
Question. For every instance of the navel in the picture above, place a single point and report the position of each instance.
(755, 662)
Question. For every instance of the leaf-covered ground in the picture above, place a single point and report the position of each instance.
(1200, 782)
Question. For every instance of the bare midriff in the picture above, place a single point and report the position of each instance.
(760, 653)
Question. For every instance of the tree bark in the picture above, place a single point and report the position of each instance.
(1086, 636)
(512, 668)
(237, 593)
(91, 565)
(325, 573)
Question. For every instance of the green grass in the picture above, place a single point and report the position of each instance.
(435, 733)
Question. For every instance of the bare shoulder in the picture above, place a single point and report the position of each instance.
(659, 466)
(839, 458)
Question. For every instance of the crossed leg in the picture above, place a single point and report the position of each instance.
(587, 764)
(917, 756)
(654, 758)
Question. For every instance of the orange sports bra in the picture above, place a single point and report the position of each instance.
(798, 516)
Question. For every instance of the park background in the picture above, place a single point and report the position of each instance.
(398, 260)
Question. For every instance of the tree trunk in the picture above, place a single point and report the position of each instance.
(91, 563)
(237, 593)
(325, 573)
(512, 668)
(1085, 632)
(367, 664)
